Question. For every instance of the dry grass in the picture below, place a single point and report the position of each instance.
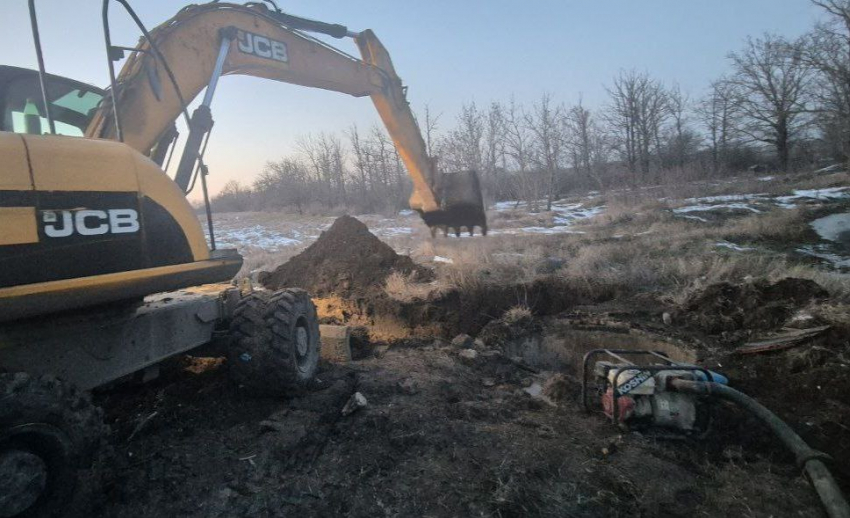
(788, 226)
(636, 246)
(516, 314)
(404, 288)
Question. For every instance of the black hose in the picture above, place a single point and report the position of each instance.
(807, 458)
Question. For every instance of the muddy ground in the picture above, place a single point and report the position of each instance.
(443, 434)
(483, 425)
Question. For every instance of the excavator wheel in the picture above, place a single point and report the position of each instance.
(49, 435)
(275, 348)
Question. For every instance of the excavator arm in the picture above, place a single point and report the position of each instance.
(203, 42)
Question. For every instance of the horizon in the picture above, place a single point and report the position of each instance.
(649, 38)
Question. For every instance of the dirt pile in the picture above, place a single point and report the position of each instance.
(758, 305)
(347, 260)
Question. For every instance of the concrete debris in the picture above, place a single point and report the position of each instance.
(355, 403)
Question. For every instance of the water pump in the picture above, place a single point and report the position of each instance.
(639, 396)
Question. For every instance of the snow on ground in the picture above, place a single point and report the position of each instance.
(835, 227)
(826, 194)
(717, 206)
(273, 232)
(726, 198)
(825, 253)
(758, 202)
(558, 229)
(733, 246)
(255, 236)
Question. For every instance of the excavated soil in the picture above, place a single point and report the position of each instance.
(347, 261)
(757, 305)
(486, 427)
(444, 433)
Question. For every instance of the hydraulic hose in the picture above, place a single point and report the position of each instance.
(807, 458)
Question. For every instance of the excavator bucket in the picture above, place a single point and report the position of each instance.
(461, 205)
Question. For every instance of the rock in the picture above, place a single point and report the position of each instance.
(478, 344)
(408, 386)
(558, 388)
(667, 318)
(488, 382)
(468, 354)
(355, 403)
(462, 341)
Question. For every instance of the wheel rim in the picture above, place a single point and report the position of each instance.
(24, 479)
(302, 345)
(35, 459)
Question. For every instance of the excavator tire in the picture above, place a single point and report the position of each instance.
(275, 347)
(50, 433)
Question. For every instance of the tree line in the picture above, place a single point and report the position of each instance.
(783, 105)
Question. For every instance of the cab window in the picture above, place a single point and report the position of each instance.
(71, 105)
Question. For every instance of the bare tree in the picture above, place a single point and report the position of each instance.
(772, 80)
(546, 122)
(284, 184)
(518, 147)
(587, 143)
(682, 142)
(462, 147)
(638, 110)
(718, 113)
(430, 129)
(326, 157)
(494, 146)
(828, 51)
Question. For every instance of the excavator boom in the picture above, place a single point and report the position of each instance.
(204, 41)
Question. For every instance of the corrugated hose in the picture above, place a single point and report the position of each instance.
(809, 459)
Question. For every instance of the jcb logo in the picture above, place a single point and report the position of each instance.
(261, 46)
(64, 223)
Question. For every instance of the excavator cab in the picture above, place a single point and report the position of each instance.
(72, 103)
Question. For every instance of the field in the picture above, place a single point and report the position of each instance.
(491, 424)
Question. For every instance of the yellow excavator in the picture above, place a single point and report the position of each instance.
(105, 269)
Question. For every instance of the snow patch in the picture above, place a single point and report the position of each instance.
(827, 194)
(255, 236)
(719, 206)
(821, 253)
(733, 246)
(835, 227)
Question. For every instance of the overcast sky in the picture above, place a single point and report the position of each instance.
(447, 52)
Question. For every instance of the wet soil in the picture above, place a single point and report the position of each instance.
(486, 427)
(443, 434)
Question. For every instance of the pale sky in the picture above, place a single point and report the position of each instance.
(447, 52)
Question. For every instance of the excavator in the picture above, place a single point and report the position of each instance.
(105, 269)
